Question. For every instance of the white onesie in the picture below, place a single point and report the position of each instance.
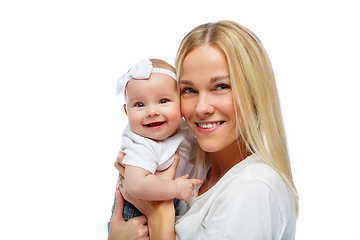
(158, 155)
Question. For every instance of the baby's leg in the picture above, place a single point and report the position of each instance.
(130, 211)
(176, 205)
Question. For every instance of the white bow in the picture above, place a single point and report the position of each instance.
(140, 70)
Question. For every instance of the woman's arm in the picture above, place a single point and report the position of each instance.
(161, 221)
(160, 214)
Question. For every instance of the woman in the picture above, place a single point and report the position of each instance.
(230, 102)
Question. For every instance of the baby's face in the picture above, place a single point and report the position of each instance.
(153, 106)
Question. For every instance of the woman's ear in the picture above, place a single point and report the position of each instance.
(125, 109)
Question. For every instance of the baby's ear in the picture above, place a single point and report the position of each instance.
(125, 109)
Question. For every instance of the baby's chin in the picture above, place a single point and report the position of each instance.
(162, 136)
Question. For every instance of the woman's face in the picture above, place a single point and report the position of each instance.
(206, 99)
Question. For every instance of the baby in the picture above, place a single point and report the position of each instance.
(154, 133)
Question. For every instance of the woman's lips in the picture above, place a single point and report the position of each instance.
(208, 127)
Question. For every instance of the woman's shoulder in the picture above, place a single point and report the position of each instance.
(252, 180)
(253, 170)
(257, 183)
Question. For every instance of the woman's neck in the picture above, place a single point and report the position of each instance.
(221, 162)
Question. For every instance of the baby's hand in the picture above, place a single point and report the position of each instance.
(186, 187)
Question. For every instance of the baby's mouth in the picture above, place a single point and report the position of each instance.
(154, 124)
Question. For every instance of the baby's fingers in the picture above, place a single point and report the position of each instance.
(186, 176)
(196, 181)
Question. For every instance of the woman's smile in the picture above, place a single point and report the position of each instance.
(210, 127)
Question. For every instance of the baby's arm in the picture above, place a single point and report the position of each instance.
(142, 184)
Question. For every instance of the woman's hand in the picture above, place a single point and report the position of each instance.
(118, 165)
(134, 229)
(170, 172)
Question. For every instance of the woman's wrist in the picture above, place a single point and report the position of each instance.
(161, 221)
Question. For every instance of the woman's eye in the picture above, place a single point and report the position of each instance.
(162, 101)
(139, 104)
(187, 90)
(222, 87)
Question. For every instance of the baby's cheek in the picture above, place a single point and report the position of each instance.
(135, 122)
(176, 116)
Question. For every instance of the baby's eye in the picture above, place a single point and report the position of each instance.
(222, 87)
(139, 104)
(162, 101)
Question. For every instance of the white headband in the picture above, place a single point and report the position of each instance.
(140, 70)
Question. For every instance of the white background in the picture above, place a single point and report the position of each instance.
(60, 120)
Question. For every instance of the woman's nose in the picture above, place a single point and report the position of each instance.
(204, 106)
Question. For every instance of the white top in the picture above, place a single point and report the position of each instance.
(250, 202)
(158, 155)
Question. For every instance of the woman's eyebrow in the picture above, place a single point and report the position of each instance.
(212, 80)
(187, 82)
(218, 78)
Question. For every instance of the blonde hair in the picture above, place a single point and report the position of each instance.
(256, 101)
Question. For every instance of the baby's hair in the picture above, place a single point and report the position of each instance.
(157, 63)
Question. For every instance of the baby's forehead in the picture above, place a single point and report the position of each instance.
(153, 81)
(139, 89)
